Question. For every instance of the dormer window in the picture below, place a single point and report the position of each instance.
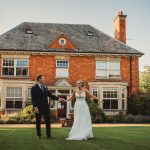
(89, 33)
(62, 41)
(28, 31)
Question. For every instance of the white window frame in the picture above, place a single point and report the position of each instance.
(14, 98)
(62, 68)
(107, 69)
(116, 98)
(29, 91)
(15, 66)
(123, 99)
(95, 89)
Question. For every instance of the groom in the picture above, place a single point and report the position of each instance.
(39, 95)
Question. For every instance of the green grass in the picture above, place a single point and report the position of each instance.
(106, 138)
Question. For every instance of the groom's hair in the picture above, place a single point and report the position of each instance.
(39, 77)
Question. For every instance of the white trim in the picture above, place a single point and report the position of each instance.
(58, 53)
(15, 56)
(107, 83)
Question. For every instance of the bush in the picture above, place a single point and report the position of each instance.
(128, 119)
(27, 114)
(97, 114)
(139, 105)
(10, 119)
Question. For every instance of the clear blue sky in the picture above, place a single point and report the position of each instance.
(99, 13)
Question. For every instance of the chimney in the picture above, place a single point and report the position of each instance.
(120, 27)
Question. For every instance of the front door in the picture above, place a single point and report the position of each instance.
(62, 107)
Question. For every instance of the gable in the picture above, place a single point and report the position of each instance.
(62, 42)
(62, 82)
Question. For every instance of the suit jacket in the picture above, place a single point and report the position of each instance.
(40, 97)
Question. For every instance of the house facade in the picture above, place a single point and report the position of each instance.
(65, 53)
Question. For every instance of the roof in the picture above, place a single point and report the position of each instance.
(86, 38)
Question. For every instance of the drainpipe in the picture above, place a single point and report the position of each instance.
(130, 89)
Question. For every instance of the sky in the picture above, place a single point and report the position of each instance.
(98, 13)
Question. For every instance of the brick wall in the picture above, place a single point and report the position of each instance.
(43, 65)
(125, 72)
(80, 68)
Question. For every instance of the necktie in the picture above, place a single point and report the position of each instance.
(42, 87)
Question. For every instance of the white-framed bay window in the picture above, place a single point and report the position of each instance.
(110, 98)
(14, 97)
(113, 96)
(108, 69)
(62, 68)
(123, 98)
(15, 67)
(29, 92)
(95, 92)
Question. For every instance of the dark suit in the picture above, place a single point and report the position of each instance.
(40, 100)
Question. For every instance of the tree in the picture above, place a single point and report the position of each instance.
(145, 80)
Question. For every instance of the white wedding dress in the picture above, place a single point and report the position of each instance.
(82, 126)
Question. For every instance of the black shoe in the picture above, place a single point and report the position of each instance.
(38, 137)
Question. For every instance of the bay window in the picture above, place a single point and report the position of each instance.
(95, 92)
(14, 98)
(110, 98)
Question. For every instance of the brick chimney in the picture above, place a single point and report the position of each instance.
(120, 27)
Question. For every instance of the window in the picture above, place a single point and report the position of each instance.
(15, 67)
(62, 41)
(101, 68)
(110, 98)
(29, 93)
(14, 98)
(62, 68)
(95, 92)
(108, 69)
(123, 98)
(114, 69)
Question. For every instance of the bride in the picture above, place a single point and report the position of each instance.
(82, 126)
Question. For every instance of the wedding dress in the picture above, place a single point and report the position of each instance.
(82, 126)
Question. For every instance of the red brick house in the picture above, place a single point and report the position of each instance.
(65, 53)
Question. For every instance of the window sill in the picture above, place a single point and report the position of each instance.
(13, 109)
(62, 77)
(26, 77)
(107, 78)
(114, 110)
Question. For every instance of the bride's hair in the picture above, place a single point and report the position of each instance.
(81, 83)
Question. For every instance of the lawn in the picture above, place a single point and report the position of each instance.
(106, 138)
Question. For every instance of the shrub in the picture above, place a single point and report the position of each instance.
(10, 119)
(128, 118)
(97, 114)
(27, 114)
(139, 104)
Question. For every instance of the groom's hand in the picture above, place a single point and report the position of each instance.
(36, 110)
